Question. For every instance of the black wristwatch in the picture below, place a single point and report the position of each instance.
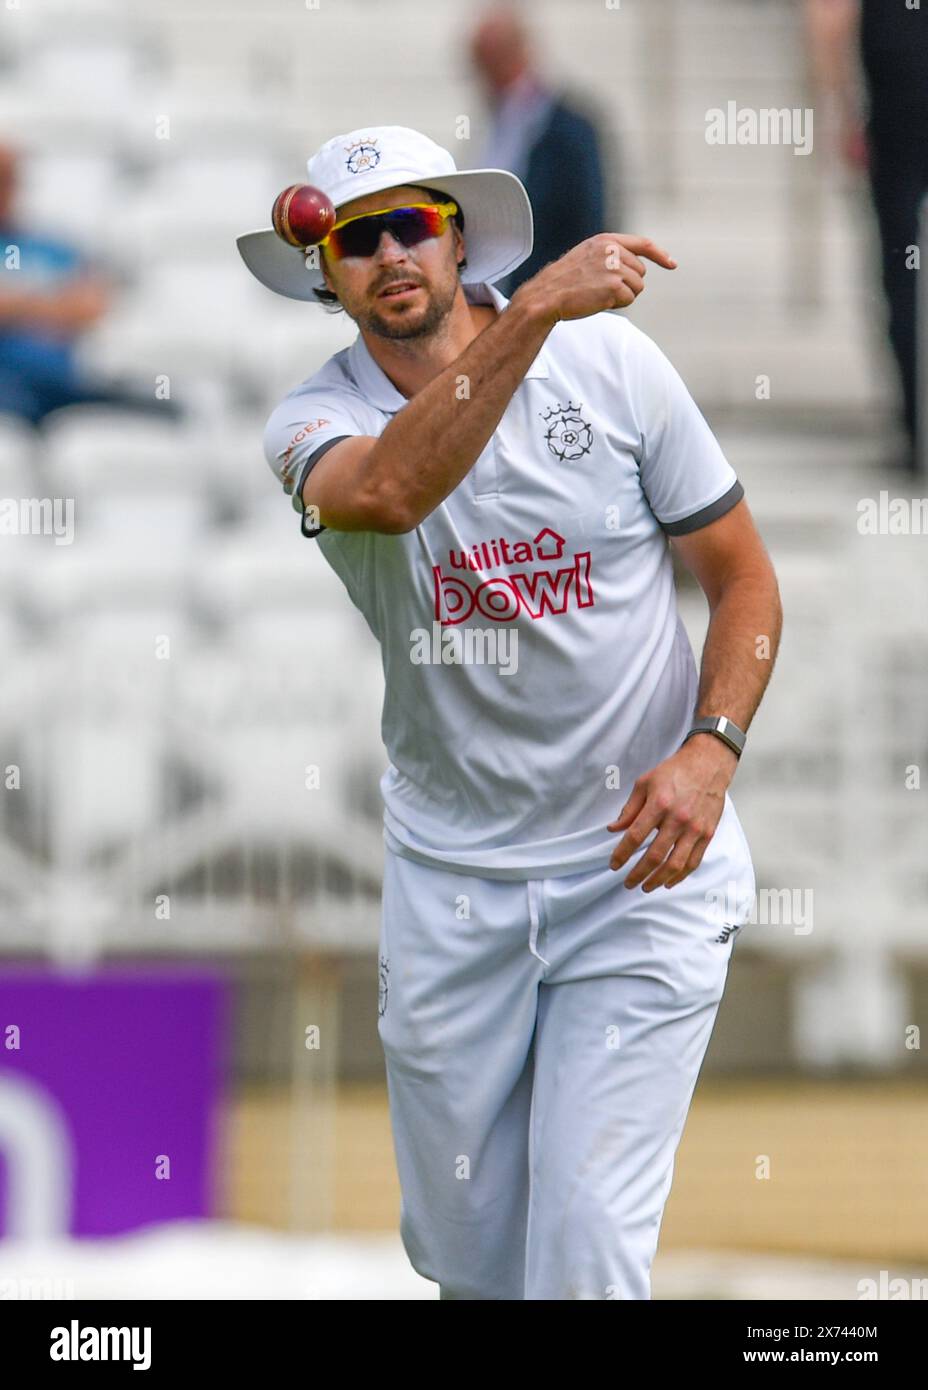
(723, 728)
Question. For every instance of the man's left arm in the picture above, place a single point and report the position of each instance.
(684, 796)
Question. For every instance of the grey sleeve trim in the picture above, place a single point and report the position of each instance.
(313, 459)
(706, 514)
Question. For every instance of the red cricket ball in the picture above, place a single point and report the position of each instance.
(303, 215)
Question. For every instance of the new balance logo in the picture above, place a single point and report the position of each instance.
(728, 931)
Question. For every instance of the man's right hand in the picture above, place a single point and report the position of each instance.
(603, 272)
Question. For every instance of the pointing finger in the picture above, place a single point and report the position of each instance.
(644, 246)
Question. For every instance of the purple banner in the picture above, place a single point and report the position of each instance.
(110, 1092)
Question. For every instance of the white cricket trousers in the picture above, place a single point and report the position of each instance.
(543, 1039)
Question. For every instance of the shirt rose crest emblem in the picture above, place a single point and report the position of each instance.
(567, 434)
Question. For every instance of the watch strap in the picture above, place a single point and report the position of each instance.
(723, 728)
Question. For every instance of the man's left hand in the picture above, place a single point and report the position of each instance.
(683, 798)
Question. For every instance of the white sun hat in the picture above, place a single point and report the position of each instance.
(496, 207)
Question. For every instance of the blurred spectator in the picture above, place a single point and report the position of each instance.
(890, 139)
(538, 136)
(49, 296)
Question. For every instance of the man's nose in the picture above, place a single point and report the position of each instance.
(389, 249)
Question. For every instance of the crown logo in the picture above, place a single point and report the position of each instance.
(568, 435)
(558, 409)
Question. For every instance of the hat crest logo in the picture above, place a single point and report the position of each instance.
(362, 155)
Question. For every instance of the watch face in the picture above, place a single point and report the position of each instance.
(724, 729)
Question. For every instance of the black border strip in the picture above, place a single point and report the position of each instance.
(310, 463)
(706, 514)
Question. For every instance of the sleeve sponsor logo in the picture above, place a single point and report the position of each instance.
(302, 433)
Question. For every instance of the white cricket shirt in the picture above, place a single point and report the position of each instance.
(534, 659)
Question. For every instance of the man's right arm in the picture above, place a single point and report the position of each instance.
(392, 482)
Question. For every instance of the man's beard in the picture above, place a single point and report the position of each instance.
(415, 324)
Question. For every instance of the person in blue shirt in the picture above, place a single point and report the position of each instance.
(49, 295)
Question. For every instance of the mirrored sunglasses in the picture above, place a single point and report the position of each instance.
(360, 236)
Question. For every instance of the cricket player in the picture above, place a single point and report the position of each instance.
(498, 484)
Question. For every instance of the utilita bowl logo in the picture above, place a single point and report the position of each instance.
(550, 586)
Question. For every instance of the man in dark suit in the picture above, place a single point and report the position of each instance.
(887, 40)
(537, 135)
